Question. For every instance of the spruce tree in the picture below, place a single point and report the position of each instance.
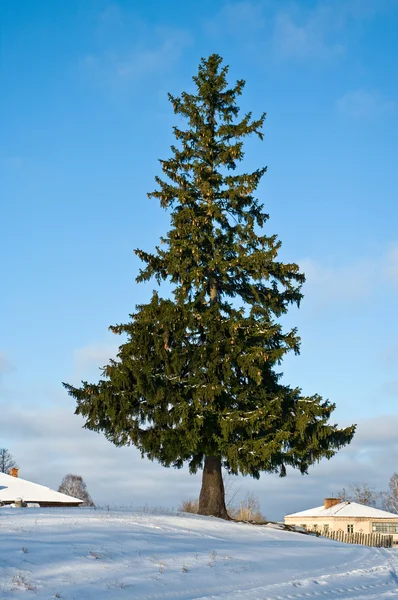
(196, 380)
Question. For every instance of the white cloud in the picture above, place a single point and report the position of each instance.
(5, 365)
(111, 14)
(3, 362)
(237, 18)
(391, 388)
(322, 30)
(94, 355)
(362, 103)
(146, 60)
(307, 35)
(296, 32)
(142, 50)
(344, 284)
(367, 458)
(389, 355)
(299, 31)
(50, 442)
(391, 265)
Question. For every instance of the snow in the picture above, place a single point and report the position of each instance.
(88, 554)
(12, 488)
(346, 509)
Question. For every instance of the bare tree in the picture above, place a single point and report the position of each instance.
(362, 493)
(7, 461)
(74, 485)
(249, 510)
(390, 498)
(231, 489)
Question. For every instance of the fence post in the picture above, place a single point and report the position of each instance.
(378, 540)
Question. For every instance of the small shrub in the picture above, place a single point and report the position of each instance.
(213, 557)
(116, 585)
(249, 510)
(189, 506)
(21, 582)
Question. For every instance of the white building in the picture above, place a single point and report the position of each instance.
(350, 517)
(14, 490)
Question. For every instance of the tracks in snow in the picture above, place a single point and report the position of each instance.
(375, 583)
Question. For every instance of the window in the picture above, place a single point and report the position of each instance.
(350, 528)
(325, 528)
(303, 525)
(385, 527)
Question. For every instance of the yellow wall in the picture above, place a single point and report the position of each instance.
(361, 525)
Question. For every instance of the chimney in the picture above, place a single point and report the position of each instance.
(329, 502)
(14, 472)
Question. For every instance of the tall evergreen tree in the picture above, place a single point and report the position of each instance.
(195, 381)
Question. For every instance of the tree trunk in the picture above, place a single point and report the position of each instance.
(212, 495)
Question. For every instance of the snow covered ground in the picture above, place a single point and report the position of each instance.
(92, 554)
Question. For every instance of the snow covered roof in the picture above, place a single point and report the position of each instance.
(15, 487)
(346, 509)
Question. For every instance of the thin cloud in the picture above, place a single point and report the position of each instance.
(338, 285)
(321, 31)
(146, 60)
(391, 388)
(346, 284)
(362, 103)
(92, 357)
(296, 31)
(5, 364)
(50, 442)
(293, 31)
(153, 51)
(391, 265)
(114, 475)
(310, 35)
(243, 18)
(389, 355)
(110, 15)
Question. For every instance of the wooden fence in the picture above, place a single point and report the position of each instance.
(379, 540)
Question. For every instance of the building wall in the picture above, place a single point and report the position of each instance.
(360, 524)
(43, 504)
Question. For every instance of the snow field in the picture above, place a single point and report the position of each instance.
(92, 554)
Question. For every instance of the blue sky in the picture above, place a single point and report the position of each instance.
(84, 118)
